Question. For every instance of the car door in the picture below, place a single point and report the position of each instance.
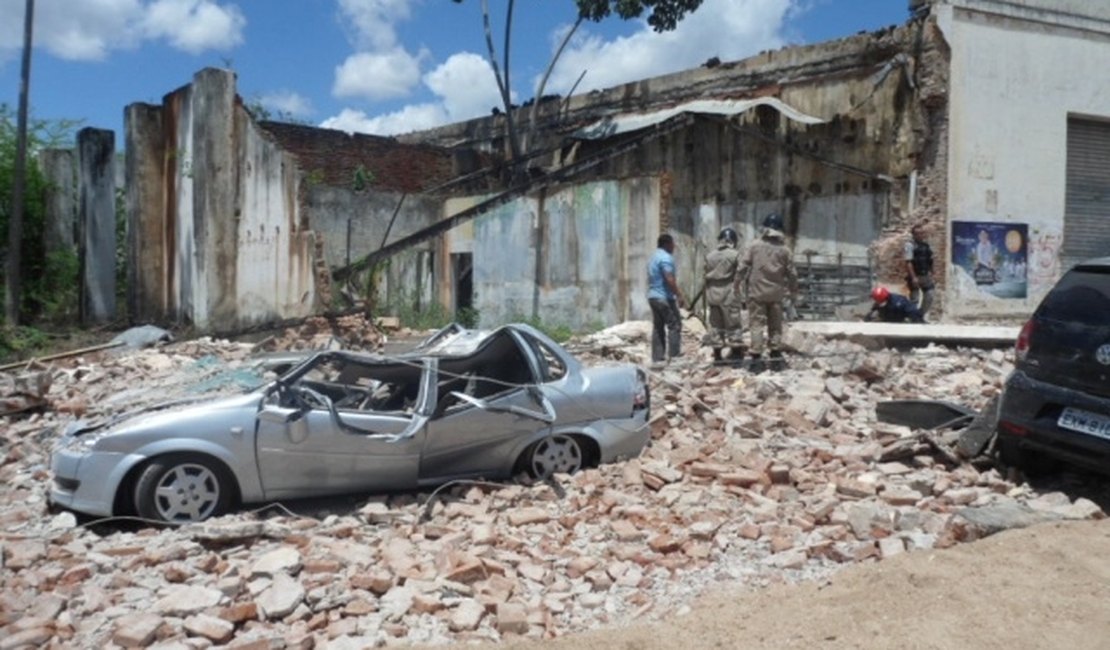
(321, 451)
(483, 437)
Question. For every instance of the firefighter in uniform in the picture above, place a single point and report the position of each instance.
(768, 275)
(723, 296)
(919, 269)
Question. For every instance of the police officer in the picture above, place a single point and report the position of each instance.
(722, 295)
(919, 269)
(892, 308)
(768, 276)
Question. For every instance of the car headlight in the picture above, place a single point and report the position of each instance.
(80, 443)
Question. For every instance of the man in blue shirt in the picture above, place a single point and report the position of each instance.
(665, 298)
(893, 308)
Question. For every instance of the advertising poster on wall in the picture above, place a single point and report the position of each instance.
(994, 256)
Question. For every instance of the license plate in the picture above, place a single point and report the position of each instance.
(1084, 422)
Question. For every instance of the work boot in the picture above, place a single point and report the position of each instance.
(716, 354)
(778, 363)
(756, 366)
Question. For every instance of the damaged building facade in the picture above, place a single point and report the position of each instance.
(985, 120)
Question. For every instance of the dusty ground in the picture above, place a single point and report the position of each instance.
(1040, 587)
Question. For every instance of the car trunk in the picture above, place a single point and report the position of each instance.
(1068, 329)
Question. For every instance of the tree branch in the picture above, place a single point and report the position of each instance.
(531, 132)
(502, 81)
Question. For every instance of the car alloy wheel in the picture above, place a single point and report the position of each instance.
(556, 455)
(181, 489)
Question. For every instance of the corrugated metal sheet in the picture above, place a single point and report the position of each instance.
(1087, 215)
(625, 123)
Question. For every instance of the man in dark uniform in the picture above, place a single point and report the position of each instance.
(892, 308)
(919, 269)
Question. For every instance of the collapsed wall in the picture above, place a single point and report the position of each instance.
(849, 186)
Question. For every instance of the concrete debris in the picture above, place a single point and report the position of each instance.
(352, 332)
(143, 336)
(787, 476)
(25, 391)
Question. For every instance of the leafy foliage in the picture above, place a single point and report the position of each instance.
(49, 283)
(665, 14)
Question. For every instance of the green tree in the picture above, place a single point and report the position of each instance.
(663, 16)
(49, 283)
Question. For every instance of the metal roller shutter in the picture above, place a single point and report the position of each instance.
(1087, 213)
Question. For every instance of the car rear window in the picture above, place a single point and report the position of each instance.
(1082, 297)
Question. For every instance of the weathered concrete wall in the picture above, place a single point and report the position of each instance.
(330, 210)
(219, 201)
(148, 246)
(59, 167)
(274, 249)
(1019, 70)
(354, 223)
(97, 224)
(580, 261)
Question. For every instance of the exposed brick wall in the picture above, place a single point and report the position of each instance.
(333, 157)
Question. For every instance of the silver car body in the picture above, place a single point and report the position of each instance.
(461, 405)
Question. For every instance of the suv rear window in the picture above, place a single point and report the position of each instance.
(1081, 297)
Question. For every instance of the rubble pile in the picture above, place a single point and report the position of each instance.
(351, 332)
(750, 480)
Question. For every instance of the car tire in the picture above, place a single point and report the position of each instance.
(557, 454)
(1011, 454)
(182, 488)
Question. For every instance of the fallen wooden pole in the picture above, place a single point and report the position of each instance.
(62, 355)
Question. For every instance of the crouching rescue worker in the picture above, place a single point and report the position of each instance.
(768, 276)
(722, 294)
(892, 308)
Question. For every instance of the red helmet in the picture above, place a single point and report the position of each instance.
(880, 294)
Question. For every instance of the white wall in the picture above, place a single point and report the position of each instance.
(1014, 83)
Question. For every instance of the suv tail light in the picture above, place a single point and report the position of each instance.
(1021, 347)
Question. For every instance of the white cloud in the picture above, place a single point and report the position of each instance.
(372, 21)
(729, 29)
(465, 85)
(288, 103)
(377, 75)
(410, 118)
(195, 25)
(465, 88)
(90, 29)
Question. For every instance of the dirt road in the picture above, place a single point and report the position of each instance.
(1042, 587)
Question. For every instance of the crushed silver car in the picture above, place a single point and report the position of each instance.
(463, 404)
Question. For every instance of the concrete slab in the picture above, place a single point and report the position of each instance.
(912, 332)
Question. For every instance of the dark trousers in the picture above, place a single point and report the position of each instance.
(666, 331)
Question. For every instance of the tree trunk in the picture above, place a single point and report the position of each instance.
(15, 225)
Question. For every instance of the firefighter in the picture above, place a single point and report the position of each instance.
(768, 275)
(722, 294)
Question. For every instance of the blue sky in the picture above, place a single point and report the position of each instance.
(381, 66)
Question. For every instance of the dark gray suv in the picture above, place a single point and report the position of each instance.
(1056, 404)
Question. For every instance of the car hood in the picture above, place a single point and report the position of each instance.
(165, 413)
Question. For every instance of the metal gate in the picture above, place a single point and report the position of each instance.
(1087, 211)
(828, 282)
